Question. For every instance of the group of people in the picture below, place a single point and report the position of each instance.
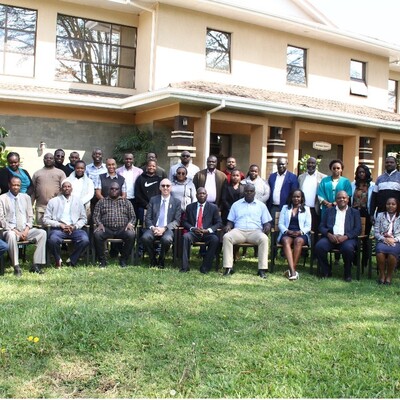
(242, 206)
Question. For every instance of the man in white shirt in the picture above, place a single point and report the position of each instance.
(130, 173)
(186, 161)
(340, 227)
(308, 183)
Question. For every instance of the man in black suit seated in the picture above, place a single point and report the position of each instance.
(162, 217)
(202, 220)
(339, 227)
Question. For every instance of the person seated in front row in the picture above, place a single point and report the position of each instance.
(294, 230)
(249, 221)
(201, 220)
(66, 216)
(16, 217)
(339, 227)
(387, 236)
(162, 217)
(114, 218)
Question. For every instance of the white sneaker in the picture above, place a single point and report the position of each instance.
(287, 273)
(294, 277)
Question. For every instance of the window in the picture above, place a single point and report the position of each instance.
(218, 50)
(392, 93)
(296, 59)
(358, 81)
(17, 41)
(95, 52)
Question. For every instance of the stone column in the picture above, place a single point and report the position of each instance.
(365, 153)
(276, 148)
(181, 139)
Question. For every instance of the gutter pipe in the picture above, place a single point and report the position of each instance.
(208, 129)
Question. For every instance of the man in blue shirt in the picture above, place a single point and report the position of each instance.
(249, 221)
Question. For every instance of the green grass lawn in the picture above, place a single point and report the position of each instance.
(141, 332)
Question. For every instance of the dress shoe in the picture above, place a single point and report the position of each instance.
(17, 271)
(122, 263)
(153, 262)
(59, 264)
(184, 270)
(203, 271)
(35, 269)
(161, 263)
(261, 273)
(103, 263)
(348, 279)
(228, 272)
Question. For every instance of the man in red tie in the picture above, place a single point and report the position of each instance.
(201, 220)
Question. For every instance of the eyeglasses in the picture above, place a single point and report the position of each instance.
(165, 186)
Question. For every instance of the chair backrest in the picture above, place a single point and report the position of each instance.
(363, 223)
(276, 222)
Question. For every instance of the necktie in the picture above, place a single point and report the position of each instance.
(200, 217)
(162, 214)
(18, 217)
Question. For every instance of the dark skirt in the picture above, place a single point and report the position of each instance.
(386, 249)
(304, 237)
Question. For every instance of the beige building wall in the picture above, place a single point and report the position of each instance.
(259, 59)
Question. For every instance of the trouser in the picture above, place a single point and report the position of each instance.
(127, 236)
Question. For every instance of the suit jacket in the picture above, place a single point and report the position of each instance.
(55, 208)
(200, 178)
(173, 214)
(289, 183)
(211, 218)
(6, 212)
(319, 176)
(352, 222)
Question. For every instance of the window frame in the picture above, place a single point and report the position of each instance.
(228, 52)
(295, 66)
(393, 94)
(85, 45)
(6, 29)
(358, 85)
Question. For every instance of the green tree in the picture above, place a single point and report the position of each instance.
(139, 142)
(3, 151)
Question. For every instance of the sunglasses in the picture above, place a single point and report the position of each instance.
(165, 186)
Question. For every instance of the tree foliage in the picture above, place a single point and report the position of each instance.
(3, 151)
(139, 142)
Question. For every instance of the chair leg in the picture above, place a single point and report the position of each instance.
(2, 265)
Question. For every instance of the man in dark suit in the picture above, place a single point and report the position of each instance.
(162, 217)
(281, 183)
(212, 180)
(340, 227)
(202, 220)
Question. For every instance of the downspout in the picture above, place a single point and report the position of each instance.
(152, 39)
(208, 129)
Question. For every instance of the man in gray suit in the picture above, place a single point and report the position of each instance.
(308, 183)
(16, 217)
(162, 217)
(66, 216)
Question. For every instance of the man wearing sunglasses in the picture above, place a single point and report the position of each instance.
(162, 217)
(186, 161)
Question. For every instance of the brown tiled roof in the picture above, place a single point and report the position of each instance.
(288, 98)
(65, 92)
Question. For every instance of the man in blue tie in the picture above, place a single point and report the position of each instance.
(162, 217)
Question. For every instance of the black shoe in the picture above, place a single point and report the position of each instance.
(153, 263)
(17, 271)
(203, 271)
(161, 263)
(184, 270)
(261, 273)
(348, 279)
(228, 271)
(35, 269)
(103, 263)
(122, 263)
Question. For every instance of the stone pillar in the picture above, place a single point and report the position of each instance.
(365, 153)
(276, 148)
(181, 139)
